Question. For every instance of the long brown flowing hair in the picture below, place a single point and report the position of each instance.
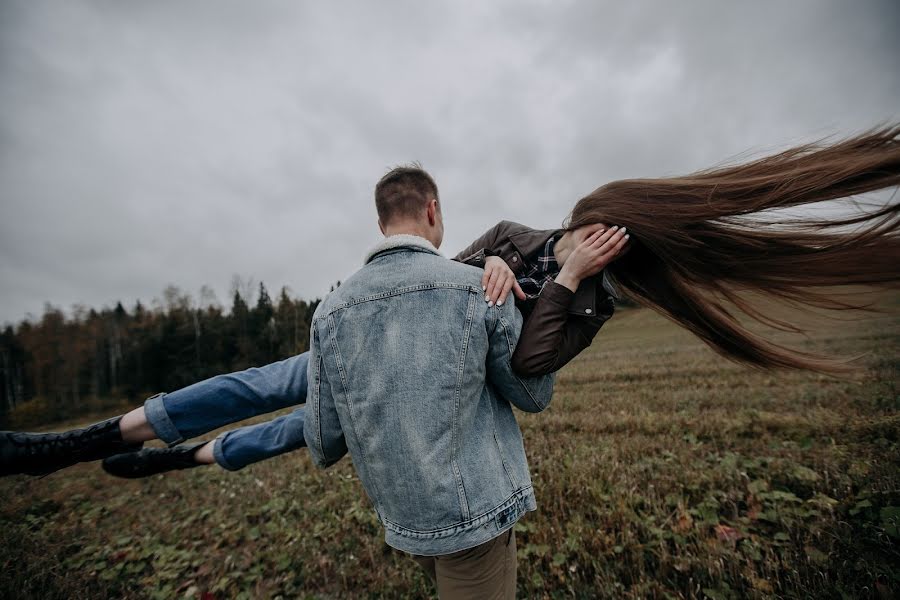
(699, 241)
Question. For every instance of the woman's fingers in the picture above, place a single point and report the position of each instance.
(617, 249)
(612, 252)
(517, 290)
(594, 237)
(490, 295)
(598, 250)
(613, 234)
(506, 285)
(616, 242)
(602, 247)
(586, 231)
(596, 241)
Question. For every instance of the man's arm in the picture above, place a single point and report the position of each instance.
(531, 394)
(322, 427)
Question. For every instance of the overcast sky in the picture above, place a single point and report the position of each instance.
(181, 142)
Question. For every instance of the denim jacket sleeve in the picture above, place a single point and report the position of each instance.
(530, 394)
(322, 427)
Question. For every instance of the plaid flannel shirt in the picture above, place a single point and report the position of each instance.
(542, 269)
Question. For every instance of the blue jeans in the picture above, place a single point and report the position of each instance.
(224, 399)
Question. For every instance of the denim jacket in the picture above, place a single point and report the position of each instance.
(410, 372)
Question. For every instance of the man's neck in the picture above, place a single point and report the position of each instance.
(407, 229)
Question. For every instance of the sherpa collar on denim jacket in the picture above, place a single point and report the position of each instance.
(401, 240)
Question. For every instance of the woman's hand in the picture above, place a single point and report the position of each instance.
(498, 280)
(592, 255)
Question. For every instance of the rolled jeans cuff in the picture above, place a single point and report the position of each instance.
(155, 411)
(219, 453)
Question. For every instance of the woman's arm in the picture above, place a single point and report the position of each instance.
(476, 252)
(498, 277)
(552, 335)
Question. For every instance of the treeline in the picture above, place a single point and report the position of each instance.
(68, 362)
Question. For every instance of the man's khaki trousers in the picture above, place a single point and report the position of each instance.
(485, 572)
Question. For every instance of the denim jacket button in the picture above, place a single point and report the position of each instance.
(515, 259)
(588, 311)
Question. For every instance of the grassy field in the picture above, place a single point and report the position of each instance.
(661, 471)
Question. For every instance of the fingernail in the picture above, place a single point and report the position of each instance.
(624, 229)
(627, 236)
(483, 288)
(486, 298)
(500, 303)
(615, 227)
(490, 304)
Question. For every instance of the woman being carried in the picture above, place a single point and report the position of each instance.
(697, 243)
(550, 338)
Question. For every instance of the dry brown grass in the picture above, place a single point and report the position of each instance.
(661, 471)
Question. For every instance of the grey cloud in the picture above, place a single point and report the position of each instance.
(143, 144)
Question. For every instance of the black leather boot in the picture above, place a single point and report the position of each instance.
(151, 461)
(44, 453)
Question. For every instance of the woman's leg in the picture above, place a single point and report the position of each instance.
(220, 401)
(44, 453)
(135, 427)
(173, 417)
(233, 450)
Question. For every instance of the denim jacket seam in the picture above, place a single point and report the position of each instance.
(319, 444)
(509, 476)
(511, 350)
(449, 530)
(340, 365)
(400, 291)
(317, 398)
(454, 429)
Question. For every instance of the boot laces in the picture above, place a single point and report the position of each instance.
(50, 443)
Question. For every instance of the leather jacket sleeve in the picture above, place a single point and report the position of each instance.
(476, 252)
(561, 323)
(552, 335)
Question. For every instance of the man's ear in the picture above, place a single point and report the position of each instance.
(432, 212)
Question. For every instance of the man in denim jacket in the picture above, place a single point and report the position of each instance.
(409, 368)
(410, 372)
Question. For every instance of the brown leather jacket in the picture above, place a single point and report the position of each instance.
(559, 323)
